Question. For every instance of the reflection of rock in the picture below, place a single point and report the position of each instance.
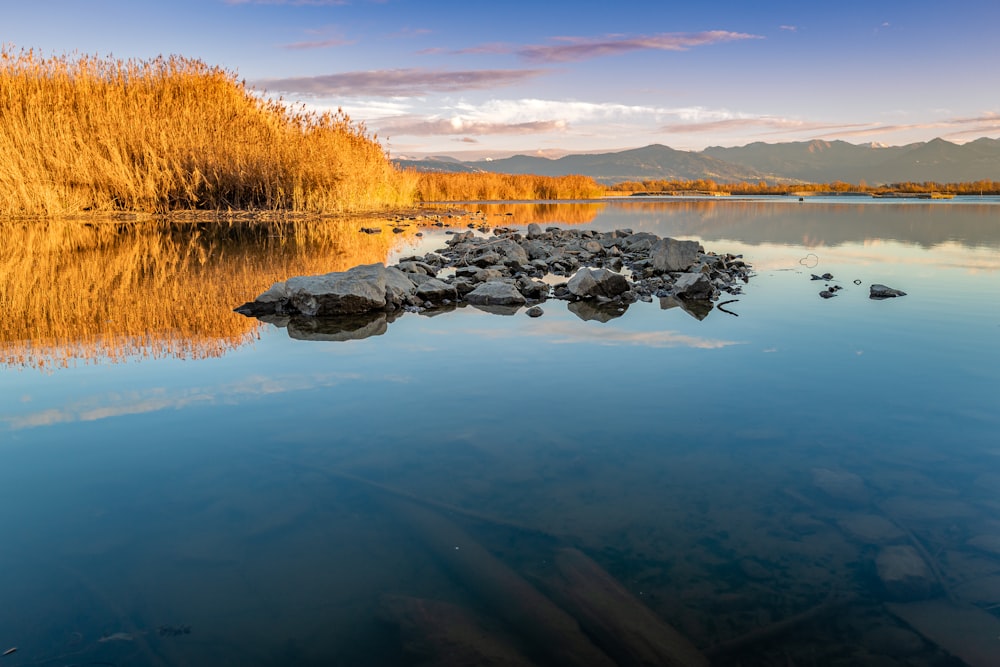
(697, 308)
(496, 309)
(344, 327)
(904, 574)
(597, 311)
(883, 292)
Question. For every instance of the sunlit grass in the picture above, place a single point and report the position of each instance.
(91, 134)
(105, 290)
(504, 187)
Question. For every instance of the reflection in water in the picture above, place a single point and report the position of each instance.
(102, 290)
(746, 485)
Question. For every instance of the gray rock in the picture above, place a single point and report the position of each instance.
(877, 291)
(591, 283)
(436, 291)
(534, 231)
(535, 311)
(870, 528)
(673, 255)
(640, 242)
(398, 287)
(496, 293)
(356, 290)
(904, 574)
(693, 286)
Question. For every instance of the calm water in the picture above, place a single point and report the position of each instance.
(180, 485)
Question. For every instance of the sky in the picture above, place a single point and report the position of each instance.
(474, 79)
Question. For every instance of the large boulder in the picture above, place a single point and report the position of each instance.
(495, 293)
(673, 255)
(597, 283)
(359, 290)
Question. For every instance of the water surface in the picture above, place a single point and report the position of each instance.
(179, 484)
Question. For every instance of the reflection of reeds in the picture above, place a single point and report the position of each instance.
(174, 133)
(106, 290)
(565, 213)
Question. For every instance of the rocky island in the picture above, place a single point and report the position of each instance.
(604, 272)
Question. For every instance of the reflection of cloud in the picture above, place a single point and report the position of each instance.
(158, 399)
(411, 82)
(563, 333)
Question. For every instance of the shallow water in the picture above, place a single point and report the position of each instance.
(179, 484)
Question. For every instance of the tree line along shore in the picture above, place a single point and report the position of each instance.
(85, 133)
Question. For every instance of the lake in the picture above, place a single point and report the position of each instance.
(798, 480)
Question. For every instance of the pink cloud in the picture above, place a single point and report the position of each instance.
(442, 126)
(582, 48)
(413, 82)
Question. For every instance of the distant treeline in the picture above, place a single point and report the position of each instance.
(985, 187)
(483, 186)
(86, 133)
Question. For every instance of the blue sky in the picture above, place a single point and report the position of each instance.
(480, 78)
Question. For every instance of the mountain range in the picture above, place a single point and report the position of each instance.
(792, 162)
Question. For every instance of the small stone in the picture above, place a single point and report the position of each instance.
(535, 311)
(877, 291)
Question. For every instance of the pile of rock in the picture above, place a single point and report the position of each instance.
(510, 269)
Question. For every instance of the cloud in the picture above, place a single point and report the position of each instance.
(413, 82)
(778, 124)
(789, 28)
(986, 123)
(459, 125)
(582, 48)
(319, 44)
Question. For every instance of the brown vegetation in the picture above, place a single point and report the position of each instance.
(985, 187)
(174, 133)
(104, 290)
(483, 186)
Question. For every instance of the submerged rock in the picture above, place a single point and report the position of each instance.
(904, 574)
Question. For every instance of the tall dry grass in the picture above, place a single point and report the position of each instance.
(98, 291)
(482, 186)
(85, 133)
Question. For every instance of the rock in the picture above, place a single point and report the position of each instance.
(496, 293)
(826, 294)
(535, 311)
(640, 242)
(534, 231)
(693, 286)
(882, 292)
(357, 290)
(988, 543)
(592, 283)
(398, 288)
(436, 291)
(841, 485)
(870, 528)
(673, 255)
(904, 574)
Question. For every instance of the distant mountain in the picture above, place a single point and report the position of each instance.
(807, 161)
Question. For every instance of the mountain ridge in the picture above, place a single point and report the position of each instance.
(815, 161)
